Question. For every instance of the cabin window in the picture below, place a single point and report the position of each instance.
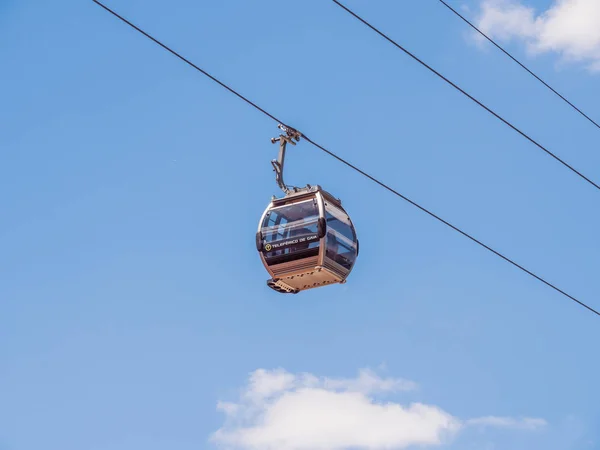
(341, 237)
(290, 231)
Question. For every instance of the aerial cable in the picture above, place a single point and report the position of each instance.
(518, 62)
(385, 186)
(506, 122)
(186, 61)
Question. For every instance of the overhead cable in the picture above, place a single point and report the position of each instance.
(506, 122)
(518, 62)
(380, 183)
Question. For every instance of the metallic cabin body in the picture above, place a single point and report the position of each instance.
(299, 270)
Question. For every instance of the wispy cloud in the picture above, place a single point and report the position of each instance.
(279, 410)
(570, 28)
(525, 423)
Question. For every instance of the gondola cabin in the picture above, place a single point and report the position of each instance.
(306, 240)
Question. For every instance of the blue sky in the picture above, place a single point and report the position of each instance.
(132, 296)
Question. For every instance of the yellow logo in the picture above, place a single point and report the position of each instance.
(268, 247)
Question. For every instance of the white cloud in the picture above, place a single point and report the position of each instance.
(282, 411)
(570, 28)
(264, 384)
(508, 422)
(369, 382)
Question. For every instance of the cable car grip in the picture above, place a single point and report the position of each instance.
(290, 135)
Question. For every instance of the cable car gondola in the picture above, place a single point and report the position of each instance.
(305, 239)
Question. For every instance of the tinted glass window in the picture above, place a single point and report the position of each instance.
(290, 229)
(341, 238)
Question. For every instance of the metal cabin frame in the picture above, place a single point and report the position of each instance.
(311, 271)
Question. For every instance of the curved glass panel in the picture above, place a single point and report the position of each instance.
(290, 232)
(341, 237)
